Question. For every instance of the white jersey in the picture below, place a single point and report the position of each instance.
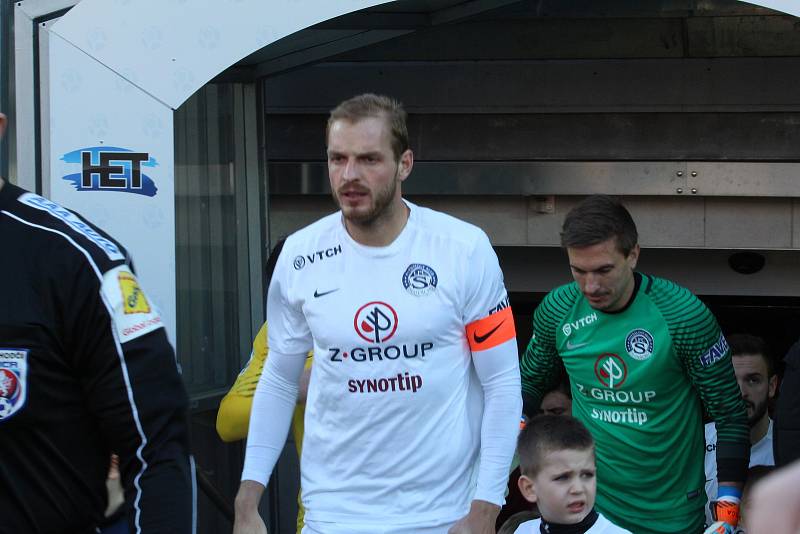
(760, 454)
(601, 526)
(393, 421)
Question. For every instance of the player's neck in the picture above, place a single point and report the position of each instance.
(2, 183)
(759, 430)
(384, 229)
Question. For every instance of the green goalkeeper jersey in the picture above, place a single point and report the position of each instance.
(640, 378)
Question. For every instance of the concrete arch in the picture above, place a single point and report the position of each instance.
(171, 48)
(186, 43)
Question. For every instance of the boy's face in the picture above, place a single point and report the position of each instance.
(564, 488)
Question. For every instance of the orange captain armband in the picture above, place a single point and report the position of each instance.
(491, 331)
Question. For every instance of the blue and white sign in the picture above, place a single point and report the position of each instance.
(108, 168)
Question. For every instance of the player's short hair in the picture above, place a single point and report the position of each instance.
(371, 105)
(549, 433)
(741, 344)
(597, 219)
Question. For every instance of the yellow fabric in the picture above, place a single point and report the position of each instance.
(233, 416)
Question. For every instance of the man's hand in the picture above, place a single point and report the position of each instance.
(725, 510)
(248, 521)
(726, 507)
(480, 519)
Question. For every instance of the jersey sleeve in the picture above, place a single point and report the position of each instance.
(539, 366)
(132, 386)
(271, 415)
(233, 416)
(485, 291)
(493, 343)
(705, 355)
(289, 332)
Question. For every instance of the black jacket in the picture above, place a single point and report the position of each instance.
(786, 429)
(85, 369)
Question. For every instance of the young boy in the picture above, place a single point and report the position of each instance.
(557, 461)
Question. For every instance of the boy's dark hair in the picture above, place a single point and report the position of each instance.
(548, 433)
(597, 219)
(741, 344)
(371, 105)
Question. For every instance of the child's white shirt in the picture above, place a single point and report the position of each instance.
(601, 526)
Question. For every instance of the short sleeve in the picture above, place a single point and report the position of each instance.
(485, 291)
(289, 332)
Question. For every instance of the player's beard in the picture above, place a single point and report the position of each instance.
(381, 200)
(759, 409)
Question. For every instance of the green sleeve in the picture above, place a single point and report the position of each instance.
(539, 366)
(705, 355)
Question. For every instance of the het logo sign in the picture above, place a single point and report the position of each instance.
(107, 168)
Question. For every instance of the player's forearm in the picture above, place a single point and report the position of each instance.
(733, 442)
(271, 416)
(537, 371)
(500, 425)
(155, 465)
(716, 384)
(725, 406)
(166, 502)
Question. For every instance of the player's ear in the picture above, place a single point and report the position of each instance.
(525, 485)
(773, 385)
(405, 164)
(633, 256)
(3, 122)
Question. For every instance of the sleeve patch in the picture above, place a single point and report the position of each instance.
(491, 331)
(717, 351)
(132, 314)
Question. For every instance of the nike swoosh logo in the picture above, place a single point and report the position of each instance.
(481, 339)
(573, 346)
(317, 294)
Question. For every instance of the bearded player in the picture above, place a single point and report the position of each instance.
(415, 365)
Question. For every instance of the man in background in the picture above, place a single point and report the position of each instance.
(755, 374)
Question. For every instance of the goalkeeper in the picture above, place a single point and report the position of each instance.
(645, 357)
